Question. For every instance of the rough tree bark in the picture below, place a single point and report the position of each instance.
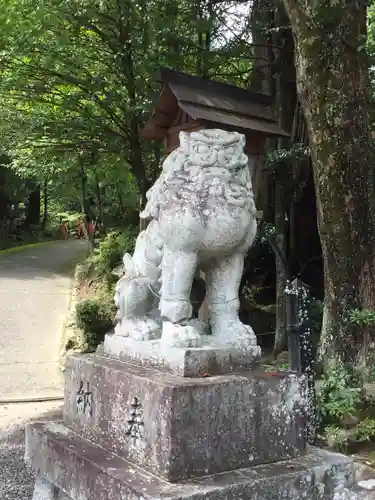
(85, 204)
(45, 203)
(33, 208)
(333, 86)
(99, 197)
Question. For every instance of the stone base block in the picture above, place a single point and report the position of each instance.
(45, 490)
(211, 358)
(178, 427)
(83, 471)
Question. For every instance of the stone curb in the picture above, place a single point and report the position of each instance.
(36, 399)
(20, 248)
(70, 329)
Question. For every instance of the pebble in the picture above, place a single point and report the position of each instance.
(16, 480)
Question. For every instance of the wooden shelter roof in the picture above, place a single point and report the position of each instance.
(211, 102)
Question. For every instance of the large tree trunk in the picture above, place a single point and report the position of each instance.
(333, 87)
(45, 203)
(120, 199)
(85, 205)
(4, 205)
(33, 208)
(99, 197)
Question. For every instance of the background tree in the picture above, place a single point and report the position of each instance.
(334, 89)
(81, 75)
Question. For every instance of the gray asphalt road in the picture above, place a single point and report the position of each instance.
(35, 287)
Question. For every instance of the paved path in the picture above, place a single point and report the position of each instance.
(35, 287)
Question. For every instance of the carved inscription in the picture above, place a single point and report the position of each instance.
(84, 399)
(135, 426)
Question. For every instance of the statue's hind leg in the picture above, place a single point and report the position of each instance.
(223, 282)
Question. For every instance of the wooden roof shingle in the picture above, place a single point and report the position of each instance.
(210, 102)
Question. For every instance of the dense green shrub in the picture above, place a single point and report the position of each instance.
(366, 430)
(95, 317)
(337, 399)
(111, 250)
(362, 317)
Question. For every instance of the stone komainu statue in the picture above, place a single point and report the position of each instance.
(202, 215)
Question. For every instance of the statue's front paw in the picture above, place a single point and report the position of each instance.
(121, 329)
(138, 329)
(179, 336)
(235, 333)
(145, 329)
(244, 337)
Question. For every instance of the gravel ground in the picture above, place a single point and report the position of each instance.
(16, 481)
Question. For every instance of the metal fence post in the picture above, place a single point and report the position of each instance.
(306, 354)
(292, 326)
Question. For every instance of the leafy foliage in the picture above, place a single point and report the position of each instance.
(78, 79)
(370, 43)
(366, 430)
(111, 250)
(95, 318)
(361, 317)
(335, 437)
(336, 398)
(281, 157)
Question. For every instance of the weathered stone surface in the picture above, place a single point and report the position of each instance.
(368, 485)
(211, 358)
(355, 493)
(87, 472)
(363, 472)
(184, 427)
(45, 490)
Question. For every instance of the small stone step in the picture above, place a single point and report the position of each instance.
(355, 493)
(84, 471)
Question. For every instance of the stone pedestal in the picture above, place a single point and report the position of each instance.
(210, 359)
(185, 427)
(132, 432)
